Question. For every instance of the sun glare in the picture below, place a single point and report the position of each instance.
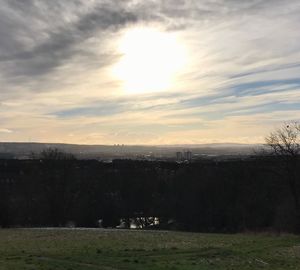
(150, 60)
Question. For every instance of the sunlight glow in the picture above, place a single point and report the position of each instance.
(150, 60)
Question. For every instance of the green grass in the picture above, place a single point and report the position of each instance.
(25, 249)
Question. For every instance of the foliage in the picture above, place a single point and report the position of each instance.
(55, 154)
(206, 196)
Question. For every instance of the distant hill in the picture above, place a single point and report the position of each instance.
(24, 150)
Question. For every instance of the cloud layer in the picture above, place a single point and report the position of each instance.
(55, 60)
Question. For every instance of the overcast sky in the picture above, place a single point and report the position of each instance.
(240, 80)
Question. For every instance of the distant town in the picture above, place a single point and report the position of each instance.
(107, 153)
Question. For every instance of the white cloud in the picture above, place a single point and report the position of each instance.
(5, 130)
(51, 68)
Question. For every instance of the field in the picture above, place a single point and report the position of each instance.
(24, 249)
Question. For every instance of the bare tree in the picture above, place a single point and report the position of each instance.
(284, 143)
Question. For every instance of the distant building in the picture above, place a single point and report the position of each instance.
(179, 156)
(187, 155)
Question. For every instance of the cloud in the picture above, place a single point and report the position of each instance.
(55, 61)
(39, 36)
(50, 46)
(4, 130)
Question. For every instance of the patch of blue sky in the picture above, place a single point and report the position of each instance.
(229, 94)
(266, 108)
(103, 110)
(262, 87)
(206, 100)
(226, 95)
(265, 69)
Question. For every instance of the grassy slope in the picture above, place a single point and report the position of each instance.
(109, 250)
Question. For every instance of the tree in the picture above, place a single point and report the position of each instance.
(284, 143)
(55, 154)
(58, 181)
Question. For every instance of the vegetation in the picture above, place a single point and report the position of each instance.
(117, 249)
(257, 194)
(285, 145)
(232, 196)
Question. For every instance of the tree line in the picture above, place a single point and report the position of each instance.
(229, 196)
(54, 189)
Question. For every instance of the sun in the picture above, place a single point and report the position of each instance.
(150, 60)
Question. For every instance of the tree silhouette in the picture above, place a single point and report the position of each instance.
(55, 154)
(285, 144)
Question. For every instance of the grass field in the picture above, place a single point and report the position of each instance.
(25, 249)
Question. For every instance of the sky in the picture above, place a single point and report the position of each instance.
(148, 72)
